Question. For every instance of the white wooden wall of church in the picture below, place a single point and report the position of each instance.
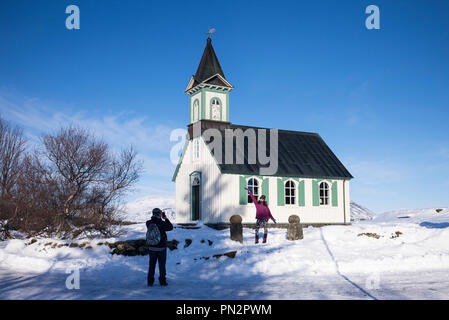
(220, 196)
(307, 213)
(213, 186)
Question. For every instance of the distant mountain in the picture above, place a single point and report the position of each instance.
(359, 212)
(140, 209)
(426, 216)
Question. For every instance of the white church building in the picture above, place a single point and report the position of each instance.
(310, 181)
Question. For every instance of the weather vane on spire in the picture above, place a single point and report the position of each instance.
(210, 31)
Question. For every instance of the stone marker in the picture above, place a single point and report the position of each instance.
(236, 228)
(294, 229)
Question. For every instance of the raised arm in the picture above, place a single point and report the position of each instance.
(167, 225)
(252, 196)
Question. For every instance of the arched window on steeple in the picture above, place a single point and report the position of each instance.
(215, 109)
(196, 110)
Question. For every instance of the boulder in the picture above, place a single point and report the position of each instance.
(235, 219)
(188, 243)
(231, 254)
(173, 244)
(236, 229)
(293, 219)
(129, 247)
(143, 250)
(294, 229)
(135, 247)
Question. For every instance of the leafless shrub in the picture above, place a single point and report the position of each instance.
(12, 147)
(91, 179)
(72, 186)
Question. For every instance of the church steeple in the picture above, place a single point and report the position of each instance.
(208, 89)
(209, 72)
(209, 64)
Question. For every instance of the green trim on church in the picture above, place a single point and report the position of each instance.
(203, 104)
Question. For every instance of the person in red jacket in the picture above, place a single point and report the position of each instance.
(263, 214)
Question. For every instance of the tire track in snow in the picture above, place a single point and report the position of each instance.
(337, 269)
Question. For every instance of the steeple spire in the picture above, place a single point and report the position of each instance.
(209, 65)
(209, 72)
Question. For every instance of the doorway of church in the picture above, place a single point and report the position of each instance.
(195, 200)
(195, 203)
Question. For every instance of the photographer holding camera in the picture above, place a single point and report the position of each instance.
(157, 244)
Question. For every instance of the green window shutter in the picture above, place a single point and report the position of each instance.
(334, 194)
(203, 104)
(265, 190)
(301, 194)
(315, 192)
(281, 199)
(227, 107)
(243, 192)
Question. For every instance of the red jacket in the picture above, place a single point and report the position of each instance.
(262, 212)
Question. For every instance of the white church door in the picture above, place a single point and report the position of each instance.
(195, 198)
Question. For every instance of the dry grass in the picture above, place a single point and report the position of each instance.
(369, 234)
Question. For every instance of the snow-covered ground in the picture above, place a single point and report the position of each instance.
(387, 257)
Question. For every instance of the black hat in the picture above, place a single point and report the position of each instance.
(157, 212)
(262, 197)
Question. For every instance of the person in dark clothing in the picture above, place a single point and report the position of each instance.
(158, 253)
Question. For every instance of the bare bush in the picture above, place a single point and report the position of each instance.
(73, 185)
(12, 147)
(90, 178)
(37, 201)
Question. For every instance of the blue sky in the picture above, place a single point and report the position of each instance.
(379, 98)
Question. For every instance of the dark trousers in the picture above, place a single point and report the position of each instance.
(261, 223)
(161, 258)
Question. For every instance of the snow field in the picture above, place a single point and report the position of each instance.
(409, 259)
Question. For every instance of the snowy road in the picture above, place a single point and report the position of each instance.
(428, 285)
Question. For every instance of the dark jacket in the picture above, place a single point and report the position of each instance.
(163, 226)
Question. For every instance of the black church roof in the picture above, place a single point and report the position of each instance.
(300, 154)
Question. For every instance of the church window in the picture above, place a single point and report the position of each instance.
(196, 107)
(253, 185)
(215, 109)
(290, 194)
(196, 149)
(324, 194)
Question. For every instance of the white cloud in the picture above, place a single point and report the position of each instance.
(119, 130)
